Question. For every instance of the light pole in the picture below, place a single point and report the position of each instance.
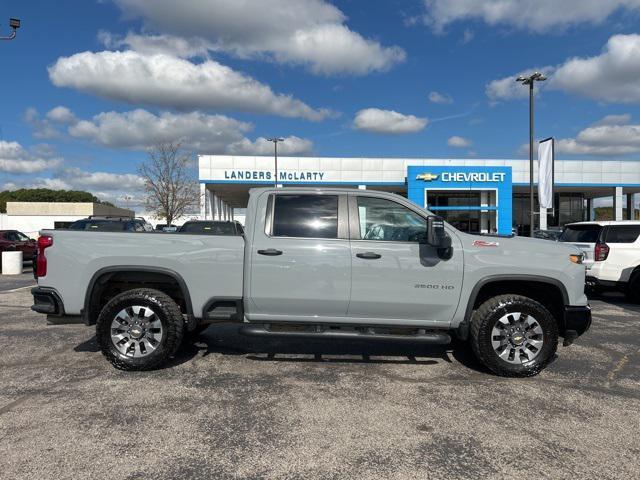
(534, 77)
(275, 141)
(14, 23)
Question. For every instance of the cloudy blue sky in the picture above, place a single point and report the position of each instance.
(88, 85)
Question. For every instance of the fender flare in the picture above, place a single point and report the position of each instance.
(135, 268)
(511, 277)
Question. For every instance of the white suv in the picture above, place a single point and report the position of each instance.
(612, 253)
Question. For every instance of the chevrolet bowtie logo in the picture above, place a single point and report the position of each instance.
(427, 177)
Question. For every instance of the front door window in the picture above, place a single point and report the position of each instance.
(389, 221)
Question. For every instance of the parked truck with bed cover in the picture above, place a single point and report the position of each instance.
(325, 263)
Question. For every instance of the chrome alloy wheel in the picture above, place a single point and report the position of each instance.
(517, 338)
(136, 331)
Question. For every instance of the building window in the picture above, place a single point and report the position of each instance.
(306, 216)
(570, 208)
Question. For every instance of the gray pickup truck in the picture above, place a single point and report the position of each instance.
(323, 263)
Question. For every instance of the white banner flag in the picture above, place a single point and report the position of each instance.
(545, 173)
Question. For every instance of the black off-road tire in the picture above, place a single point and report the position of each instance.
(166, 310)
(486, 316)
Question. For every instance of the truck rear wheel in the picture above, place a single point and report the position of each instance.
(139, 329)
(513, 335)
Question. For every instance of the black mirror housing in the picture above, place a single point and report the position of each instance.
(436, 234)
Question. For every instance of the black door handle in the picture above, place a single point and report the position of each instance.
(369, 255)
(271, 252)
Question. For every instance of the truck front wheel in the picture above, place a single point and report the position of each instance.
(513, 335)
(139, 329)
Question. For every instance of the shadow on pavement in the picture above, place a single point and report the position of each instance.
(225, 339)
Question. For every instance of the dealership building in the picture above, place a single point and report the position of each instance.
(474, 195)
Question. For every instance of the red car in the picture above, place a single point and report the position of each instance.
(13, 241)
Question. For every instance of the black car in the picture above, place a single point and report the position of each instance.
(212, 227)
(112, 224)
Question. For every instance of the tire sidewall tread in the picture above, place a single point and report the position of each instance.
(167, 311)
(483, 321)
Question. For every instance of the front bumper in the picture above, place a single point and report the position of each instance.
(47, 300)
(577, 320)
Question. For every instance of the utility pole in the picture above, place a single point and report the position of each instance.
(275, 141)
(534, 77)
(14, 23)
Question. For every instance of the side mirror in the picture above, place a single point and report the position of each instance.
(436, 234)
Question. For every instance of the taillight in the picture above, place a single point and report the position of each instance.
(601, 252)
(41, 260)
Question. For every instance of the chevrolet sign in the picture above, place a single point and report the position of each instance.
(463, 177)
(427, 177)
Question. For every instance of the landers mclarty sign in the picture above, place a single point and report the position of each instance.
(265, 176)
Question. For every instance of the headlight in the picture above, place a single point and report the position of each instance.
(576, 257)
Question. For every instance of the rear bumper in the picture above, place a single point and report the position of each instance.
(592, 282)
(47, 300)
(577, 321)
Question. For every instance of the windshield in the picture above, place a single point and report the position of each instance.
(581, 233)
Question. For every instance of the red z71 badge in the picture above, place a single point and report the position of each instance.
(483, 243)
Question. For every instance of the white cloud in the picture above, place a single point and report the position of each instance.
(467, 36)
(61, 114)
(508, 89)
(111, 187)
(157, 44)
(17, 160)
(168, 81)
(77, 179)
(261, 146)
(611, 76)
(307, 32)
(41, 127)
(437, 97)
(602, 140)
(538, 16)
(608, 77)
(375, 120)
(610, 136)
(459, 142)
(139, 129)
(622, 119)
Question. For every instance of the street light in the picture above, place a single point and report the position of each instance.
(534, 77)
(14, 23)
(275, 141)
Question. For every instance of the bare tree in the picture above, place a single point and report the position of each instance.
(171, 190)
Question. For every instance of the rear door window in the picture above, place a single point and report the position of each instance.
(622, 233)
(581, 233)
(306, 216)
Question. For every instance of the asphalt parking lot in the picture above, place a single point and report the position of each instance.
(232, 408)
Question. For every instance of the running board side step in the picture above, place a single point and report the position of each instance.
(421, 336)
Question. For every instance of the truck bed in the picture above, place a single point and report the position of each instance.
(210, 265)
